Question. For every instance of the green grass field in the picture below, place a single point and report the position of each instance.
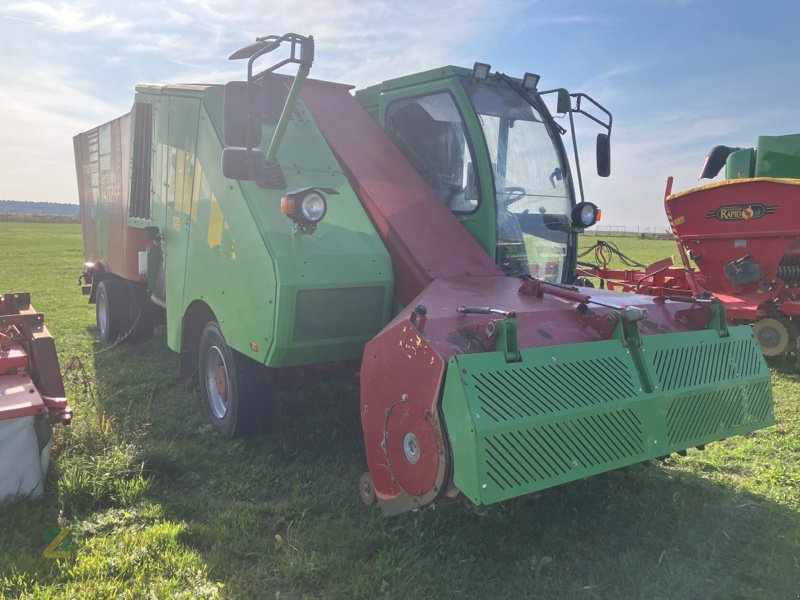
(158, 506)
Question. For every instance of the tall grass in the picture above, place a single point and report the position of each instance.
(158, 506)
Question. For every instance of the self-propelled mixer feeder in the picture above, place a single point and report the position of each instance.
(427, 225)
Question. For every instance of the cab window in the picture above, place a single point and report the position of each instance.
(430, 132)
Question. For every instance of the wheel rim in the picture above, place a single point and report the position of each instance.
(772, 336)
(366, 491)
(102, 315)
(217, 382)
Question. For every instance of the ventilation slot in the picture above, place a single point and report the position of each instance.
(706, 364)
(524, 392)
(537, 454)
(706, 414)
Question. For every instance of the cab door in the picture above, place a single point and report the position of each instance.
(436, 129)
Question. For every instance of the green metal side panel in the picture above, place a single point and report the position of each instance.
(181, 164)
(567, 412)
(229, 267)
(281, 297)
(741, 164)
(778, 156)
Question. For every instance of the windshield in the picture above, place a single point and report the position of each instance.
(533, 197)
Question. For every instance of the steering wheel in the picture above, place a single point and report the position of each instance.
(512, 194)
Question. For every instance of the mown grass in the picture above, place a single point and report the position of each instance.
(158, 506)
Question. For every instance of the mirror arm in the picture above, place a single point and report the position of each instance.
(286, 114)
(575, 154)
(304, 58)
(580, 96)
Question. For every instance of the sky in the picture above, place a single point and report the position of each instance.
(679, 76)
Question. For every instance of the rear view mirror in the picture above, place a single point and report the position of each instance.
(241, 124)
(250, 164)
(243, 163)
(564, 104)
(603, 155)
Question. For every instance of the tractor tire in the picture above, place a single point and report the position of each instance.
(237, 392)
(113, 309)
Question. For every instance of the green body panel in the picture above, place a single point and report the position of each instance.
(567, 412)
(778, 156)
(182, 126)
(226, 243)
(375, 99)
(741, 164)
(775, 156)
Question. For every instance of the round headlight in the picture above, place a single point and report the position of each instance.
(585, 215)
(313, 207)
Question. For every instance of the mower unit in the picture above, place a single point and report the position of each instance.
(31, 397)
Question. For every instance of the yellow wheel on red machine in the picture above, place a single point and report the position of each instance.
(775, 336)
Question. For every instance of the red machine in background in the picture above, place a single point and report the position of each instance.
(31, 397)
(737, 238)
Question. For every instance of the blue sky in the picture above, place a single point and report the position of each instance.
(680, 76)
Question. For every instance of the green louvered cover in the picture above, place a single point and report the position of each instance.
(567, 412)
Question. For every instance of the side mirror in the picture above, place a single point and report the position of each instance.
(564, 103)
(240, 122)
(243, 163)
(250, 164)
(603, 155)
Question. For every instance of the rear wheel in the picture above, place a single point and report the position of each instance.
(236, 391)
(113, 309)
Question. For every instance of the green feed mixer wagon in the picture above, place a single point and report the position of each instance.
(426, 226)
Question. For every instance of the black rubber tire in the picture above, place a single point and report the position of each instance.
(237, 392)
(113, 309)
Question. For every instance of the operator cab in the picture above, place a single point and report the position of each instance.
(492, 153)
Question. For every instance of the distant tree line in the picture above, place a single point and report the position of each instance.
(23, 207)
(32, 218)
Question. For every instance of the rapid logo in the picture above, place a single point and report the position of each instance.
(740, 212)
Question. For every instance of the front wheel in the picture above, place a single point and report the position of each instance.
(237, 395)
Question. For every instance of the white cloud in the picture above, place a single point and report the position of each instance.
(43, 107)
(72, 17)
(59, 57)
(53, 86)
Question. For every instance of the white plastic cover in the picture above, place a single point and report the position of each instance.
(22, 466)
